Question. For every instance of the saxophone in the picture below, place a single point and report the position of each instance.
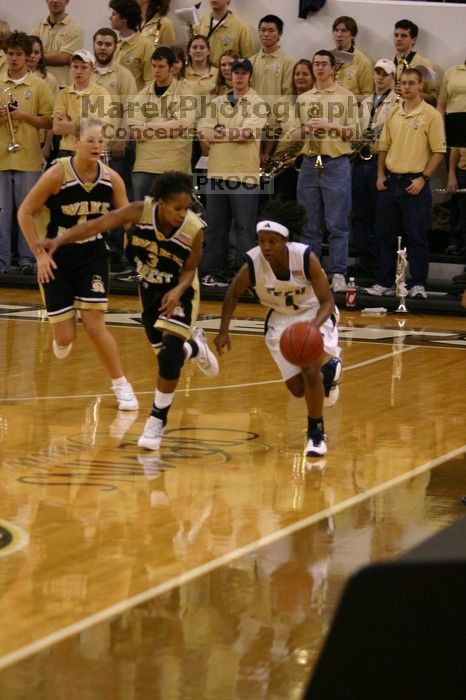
(287, 157)
(364, 148)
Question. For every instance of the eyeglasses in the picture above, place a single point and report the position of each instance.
(321, 64)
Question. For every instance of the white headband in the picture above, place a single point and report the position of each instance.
(273, 227)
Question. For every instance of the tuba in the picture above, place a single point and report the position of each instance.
(13, 146)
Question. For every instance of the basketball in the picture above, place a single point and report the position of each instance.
(301, 344)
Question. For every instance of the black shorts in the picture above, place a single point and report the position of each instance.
(81, 280)
(179, 323)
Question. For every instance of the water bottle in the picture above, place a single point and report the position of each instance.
(351, 294)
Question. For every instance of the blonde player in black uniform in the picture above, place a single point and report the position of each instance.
(166, 246)
(78, 188)
(287, 278)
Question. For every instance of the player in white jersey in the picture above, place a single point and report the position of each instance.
(287, 278)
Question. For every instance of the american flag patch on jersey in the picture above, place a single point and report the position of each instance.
(297, 273)
(183, 238)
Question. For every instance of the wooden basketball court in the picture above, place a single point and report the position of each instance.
(211, 569)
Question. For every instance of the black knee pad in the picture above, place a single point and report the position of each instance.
(171, 357)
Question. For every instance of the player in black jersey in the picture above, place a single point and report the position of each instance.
(166, 246)
(77, 189)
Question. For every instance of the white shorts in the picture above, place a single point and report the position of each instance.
(277, 323)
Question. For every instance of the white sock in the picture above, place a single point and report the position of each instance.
(162, 400)
(188, 350)
(119, 381)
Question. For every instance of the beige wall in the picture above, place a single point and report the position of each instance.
(441, 25)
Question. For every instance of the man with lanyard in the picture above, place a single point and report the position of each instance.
(329, 122)
(61, 37)
(405, 37)
(224, 31)
(411, 147)
(374, 111)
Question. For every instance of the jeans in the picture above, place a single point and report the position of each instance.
(399, 212)
(14, 186)
(364, 191)
(142, 184)
(228, 206)
(326, 196)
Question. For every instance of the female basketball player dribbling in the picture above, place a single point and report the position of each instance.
(78, 188)
(287, 278)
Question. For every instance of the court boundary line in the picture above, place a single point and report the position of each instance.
(183, 579)
(358, 365)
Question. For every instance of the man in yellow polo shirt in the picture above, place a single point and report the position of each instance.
(225, 31)
(83, 98)
(411, 147)
(61, 36)
(272, 67)
(329, 122)
(161, 119)
(405, 37)
(31, 104)
(233, 129)
(356, 75)
(133, 50)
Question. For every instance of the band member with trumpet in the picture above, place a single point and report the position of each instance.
(411, 147)
(324, 182)
(155, 24)
(26, 104)
(373, 113)
(405, 37)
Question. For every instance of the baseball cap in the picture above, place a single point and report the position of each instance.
(85, 56)
(243, 63)
(387, 65)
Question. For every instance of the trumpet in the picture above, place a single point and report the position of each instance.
(315, 110)
(13, 146)
(400, 279)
